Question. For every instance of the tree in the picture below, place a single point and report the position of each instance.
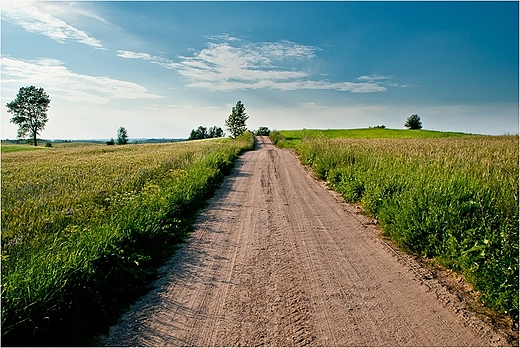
(413, 122)
(204, 133)
(236, 122)
(215, 132)
(30, 111)
(200, 133)
(263, 131)
(193, 135)
(122, 136)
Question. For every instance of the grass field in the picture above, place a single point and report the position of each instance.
(84, 229)
(291, 138)
(368, 133)
(448, 196)
(10, 147)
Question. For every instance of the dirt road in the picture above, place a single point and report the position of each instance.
(278, 260)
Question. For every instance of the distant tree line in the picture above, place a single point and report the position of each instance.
(203, 133)
(262, 131)
(30, 114)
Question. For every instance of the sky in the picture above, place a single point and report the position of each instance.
(163, 68)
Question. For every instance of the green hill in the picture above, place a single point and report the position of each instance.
(368, 133)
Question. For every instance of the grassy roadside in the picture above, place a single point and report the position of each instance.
(451, 198)
(85, 228)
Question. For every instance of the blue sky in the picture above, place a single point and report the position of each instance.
(163, 68)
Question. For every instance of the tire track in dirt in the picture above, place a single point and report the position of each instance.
(278, 260)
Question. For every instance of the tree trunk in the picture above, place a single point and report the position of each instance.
(35, 143)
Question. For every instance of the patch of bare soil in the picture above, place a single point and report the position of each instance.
(278, 260)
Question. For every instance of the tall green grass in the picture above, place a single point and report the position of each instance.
(84, 229)
(451, 198)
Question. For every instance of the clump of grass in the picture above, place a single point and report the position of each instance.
(454, 199)
(84, 229)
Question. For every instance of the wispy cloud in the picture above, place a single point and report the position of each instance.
(313, 105)
(374, 77)
(223, 66)
(353, 87)
(55, 77)
(273, 65)
(72, 11)
(32, 19)
(164, 62)
(233, 64)
(222, 37)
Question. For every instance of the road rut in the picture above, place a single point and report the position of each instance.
(276, 259)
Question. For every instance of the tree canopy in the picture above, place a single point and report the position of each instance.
(199, 133)
(203, 133)
(30, 111)
(413, 122)
(122, 136)
(236, 122)
(215, 132)
(262, 131)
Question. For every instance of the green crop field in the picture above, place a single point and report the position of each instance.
(448, 196)
(292, 138)
(368, 133)
(84, 228)
(10, 147)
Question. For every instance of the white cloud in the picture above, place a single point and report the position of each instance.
(313, 105)
(31, 18)
(249, 66)
(234, 64)
(55, 77)
(164, 62)
(72, 11)
(272, 65)
(133, 55)
(353, 87)
(222, 37)
(374, 77)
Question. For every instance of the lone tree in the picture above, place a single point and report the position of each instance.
(236, 122)
(122, 136)
(413, 122)
(30, 111)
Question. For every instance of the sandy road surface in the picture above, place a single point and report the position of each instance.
(277, 260)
